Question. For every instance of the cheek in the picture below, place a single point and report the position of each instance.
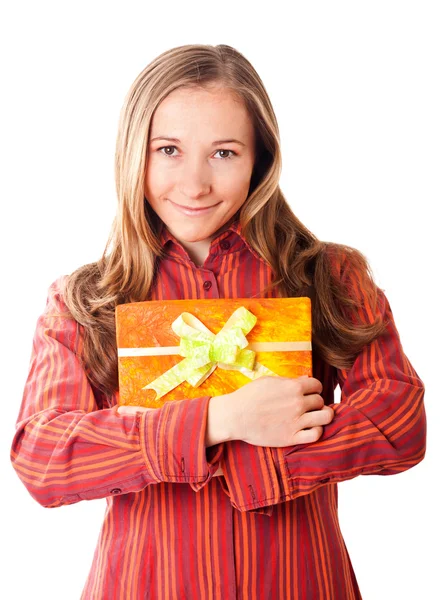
(156, 182)
(235, 188)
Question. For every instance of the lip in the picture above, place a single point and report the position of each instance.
(192, 212)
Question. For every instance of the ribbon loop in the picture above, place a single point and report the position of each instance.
(204, 351)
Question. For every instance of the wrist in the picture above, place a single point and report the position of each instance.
(219, 420)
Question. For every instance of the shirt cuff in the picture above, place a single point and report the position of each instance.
(173, 442)
(212, 458)
(254, 477)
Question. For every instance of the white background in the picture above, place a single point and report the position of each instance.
(358, 89)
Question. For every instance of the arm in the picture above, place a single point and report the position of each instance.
(379, 427)
(67, 449)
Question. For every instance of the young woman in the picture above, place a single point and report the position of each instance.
(233, 496)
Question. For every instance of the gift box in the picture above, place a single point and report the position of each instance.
(178, 349)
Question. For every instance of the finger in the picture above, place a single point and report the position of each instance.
(308, 436)
(316, 418)
(312, 402)
(310, 385)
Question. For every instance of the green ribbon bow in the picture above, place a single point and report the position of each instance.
(204, 351)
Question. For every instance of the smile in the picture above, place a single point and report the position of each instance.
(192, 212)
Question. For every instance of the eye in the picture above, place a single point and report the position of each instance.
(170, 149)
(226, 157)
(167, 148)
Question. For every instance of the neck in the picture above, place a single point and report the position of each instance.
(198, 251)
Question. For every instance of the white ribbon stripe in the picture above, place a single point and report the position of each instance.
(255, 346)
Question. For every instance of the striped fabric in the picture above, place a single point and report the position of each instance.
(268, 528)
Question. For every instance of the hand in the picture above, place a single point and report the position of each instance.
(279, 411)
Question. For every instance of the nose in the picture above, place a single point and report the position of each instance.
(194, 179)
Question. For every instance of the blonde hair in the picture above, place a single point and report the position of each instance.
(302, 265)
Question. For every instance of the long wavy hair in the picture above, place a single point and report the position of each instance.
(301, 264)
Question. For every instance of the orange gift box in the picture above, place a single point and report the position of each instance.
(277, 342)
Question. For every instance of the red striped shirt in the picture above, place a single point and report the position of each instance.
(269, 528)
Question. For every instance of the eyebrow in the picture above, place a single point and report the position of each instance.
(178, 141)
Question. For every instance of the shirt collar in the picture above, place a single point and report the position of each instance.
(232, 234)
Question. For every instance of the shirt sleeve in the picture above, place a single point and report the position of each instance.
(68, 448)
(379, 427)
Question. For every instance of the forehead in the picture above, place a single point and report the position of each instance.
(210, 109)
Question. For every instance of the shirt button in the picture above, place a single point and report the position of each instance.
(116, 491)
(207, 285)
(224, 245)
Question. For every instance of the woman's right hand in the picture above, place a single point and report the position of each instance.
(279, 411)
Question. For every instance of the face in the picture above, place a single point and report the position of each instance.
(200, 161)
